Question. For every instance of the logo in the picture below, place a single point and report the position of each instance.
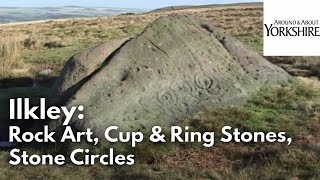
(291, 28)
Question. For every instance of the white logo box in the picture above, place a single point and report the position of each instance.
(290, 10)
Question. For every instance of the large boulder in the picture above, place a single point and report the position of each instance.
(175, 67)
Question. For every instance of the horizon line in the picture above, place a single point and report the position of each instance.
(127, 7)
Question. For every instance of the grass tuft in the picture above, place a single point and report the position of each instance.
(9, 55)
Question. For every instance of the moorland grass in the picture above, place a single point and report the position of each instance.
(293, 108)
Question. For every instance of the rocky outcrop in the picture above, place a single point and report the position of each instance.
(176, 66)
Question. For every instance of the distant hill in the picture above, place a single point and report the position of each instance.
(175, 8)
(172, 8)
(21, 14)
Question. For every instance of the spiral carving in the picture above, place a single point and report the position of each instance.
(168, 98)
(207, 86)
(204, 81)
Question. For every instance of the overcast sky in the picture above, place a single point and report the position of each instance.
(143, 4)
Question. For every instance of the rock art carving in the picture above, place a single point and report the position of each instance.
(175, 67)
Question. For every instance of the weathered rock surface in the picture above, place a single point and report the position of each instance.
(79, 67)
(176, 66)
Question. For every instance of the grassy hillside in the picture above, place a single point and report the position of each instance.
(38, 46)
(293, 109)
(29, 48)
(16, 14)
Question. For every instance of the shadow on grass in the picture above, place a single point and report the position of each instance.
(20, 88)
